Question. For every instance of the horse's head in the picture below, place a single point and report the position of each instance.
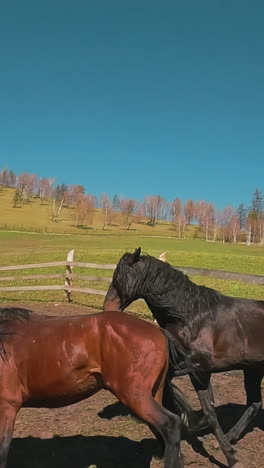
(127, 277)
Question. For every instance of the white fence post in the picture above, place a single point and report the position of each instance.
(68, 271)
(162, 257)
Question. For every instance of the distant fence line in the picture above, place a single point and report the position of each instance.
(69, 276)
(33, 229)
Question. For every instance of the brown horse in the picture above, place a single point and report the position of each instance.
(218, 332)
(56, 361)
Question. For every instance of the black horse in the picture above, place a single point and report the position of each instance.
(219, 333)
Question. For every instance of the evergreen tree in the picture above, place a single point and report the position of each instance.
(12, 179)
(116, 202)
(17, 198)
(257, 204)
(242, 215)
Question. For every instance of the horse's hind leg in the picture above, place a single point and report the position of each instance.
(252, 381)
(8, 414)
(166, 426)
(164, 423)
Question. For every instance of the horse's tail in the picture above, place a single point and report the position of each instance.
(173, 399)
(175, 402)
(179, 358)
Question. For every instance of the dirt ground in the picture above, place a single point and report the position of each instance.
(101, 432)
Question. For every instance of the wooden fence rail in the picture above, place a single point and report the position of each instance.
(55, 287)
(29, 266)
(244, 277)
(58, 275)
(69, 276)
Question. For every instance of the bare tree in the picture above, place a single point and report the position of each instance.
(74, 193)
(205, 213)
(45, 188)
(189, 211)
(4, 177)
(139, 212)
(224, 218)
(84, 207)
(166, 211)
(178, 217)
(249, 223)
(127, 208)
(56, 209)
(217, 224)
(233, 228)
(163, 210)
(106, 206)
(180, 222)
(26, 185)
(58, 195)
(152, 205)
(220, 225)
(176, 208)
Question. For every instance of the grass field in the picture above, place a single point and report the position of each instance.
(106, 247)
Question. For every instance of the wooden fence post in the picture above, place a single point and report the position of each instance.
(162, 257)
(68, 281)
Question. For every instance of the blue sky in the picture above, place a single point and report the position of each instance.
(135, 97)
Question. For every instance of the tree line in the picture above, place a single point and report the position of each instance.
(243, 223)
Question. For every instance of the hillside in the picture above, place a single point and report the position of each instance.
(35, 216)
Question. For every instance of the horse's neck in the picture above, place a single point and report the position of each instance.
(160, 314)
(167, 319)
(157, 312)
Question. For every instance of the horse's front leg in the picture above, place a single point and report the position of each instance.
(8, 412)
(205, 393)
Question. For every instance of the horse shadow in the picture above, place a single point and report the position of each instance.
(108, 451)
(227, 415)
(80, 452)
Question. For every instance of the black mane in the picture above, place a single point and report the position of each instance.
(9, 314)
(13, 313)
(170, 294)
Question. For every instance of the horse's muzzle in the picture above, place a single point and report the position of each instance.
(112, 300)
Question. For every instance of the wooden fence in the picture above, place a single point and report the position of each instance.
(68, 276)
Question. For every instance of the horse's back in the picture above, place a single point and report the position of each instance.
(238, 333)
(132, 332)
(51, 356)
(134, 355)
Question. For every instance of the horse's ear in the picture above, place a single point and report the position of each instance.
(136, 254)
(134, 257)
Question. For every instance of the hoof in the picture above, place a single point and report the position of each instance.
(238, 465)
(232, 437)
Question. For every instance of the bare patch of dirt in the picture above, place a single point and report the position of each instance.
(100, 431)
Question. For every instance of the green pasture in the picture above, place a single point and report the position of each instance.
(105, 247)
